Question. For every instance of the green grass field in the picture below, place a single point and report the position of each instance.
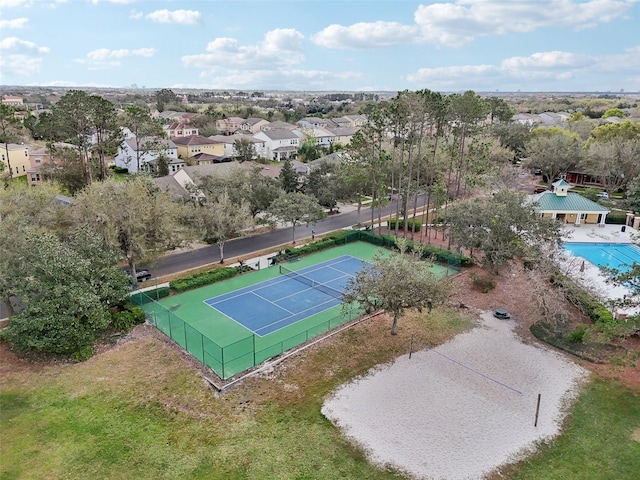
(140, 411)
(228, 347)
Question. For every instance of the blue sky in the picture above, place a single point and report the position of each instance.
(315, 45)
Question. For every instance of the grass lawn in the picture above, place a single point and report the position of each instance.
(141, 411)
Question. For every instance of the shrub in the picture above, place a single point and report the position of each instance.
(85, 353)
(123, 320)
(483, 284)
(578, 334)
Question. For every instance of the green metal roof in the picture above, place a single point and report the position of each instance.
(572, 202)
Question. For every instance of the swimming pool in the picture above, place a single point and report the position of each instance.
(619, 256)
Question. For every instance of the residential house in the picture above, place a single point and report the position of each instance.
(41, 156)
(554, 118)
(253, 125)
(567, 207)
(189, 147)
(324, 137)
(142, 155)
(343, 135)
(16, 156)
(528, 119)
(356, 121)
(280, 143)
(228, 126)
(178, 129)
(316, 122)
(184, 181)
(229, 144)
(37, 158)
(12, 100)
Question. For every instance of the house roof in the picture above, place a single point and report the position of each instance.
(158, 143)
(572, 202)
(193, 140)
(280, 134)
(278, 125)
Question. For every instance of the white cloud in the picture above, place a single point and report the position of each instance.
(554, 66)
(121, 2)
(459, 23)
(183, 17)
(136, 15)
(365, 35)
(19, 65)
(14, 23)
(280, 47)
(102, 54)
(15, 43)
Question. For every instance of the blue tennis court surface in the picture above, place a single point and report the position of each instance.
(271, 305)
(619, 256)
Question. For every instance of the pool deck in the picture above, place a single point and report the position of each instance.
(596, 234)
(589, 275)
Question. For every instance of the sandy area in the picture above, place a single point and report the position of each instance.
(461, 410)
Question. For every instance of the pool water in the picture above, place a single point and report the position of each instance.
(619, 256)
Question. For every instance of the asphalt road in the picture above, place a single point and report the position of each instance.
(178, 262)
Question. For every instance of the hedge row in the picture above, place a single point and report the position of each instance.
(441, 256)
(201, 279)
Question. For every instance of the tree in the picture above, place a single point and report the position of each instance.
(65, 167)
(89, 123)
(260, 191)
(108, 135)
(309, 149)
(245, 150)
(67, 286)
(323, 183)
(134, 217)
(144, 129)
(513, 136)
(296, 208)
(554, 151)
(9, 132)
(221, 219)
(395, 283)
(288, 177)
(501, 227)
(163, 98)
(614, 112)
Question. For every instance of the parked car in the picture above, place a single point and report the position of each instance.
(539, 190)
(604, 195)
(142, 275)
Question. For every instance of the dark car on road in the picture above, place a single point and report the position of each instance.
(142, 275)
(539, 190)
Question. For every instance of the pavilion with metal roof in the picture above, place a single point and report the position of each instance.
(568, 207)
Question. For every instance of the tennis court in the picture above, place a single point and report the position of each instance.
(273, 304)
(236, 324)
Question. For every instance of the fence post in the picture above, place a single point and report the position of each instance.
(254, 349)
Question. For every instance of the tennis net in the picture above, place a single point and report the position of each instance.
(310, 282)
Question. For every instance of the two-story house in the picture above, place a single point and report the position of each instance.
(178, 129)
(230, 125)
(253, 125)
(280, 143)
(141, 155)
(15, 158)
(229, 144)
(198, 149)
